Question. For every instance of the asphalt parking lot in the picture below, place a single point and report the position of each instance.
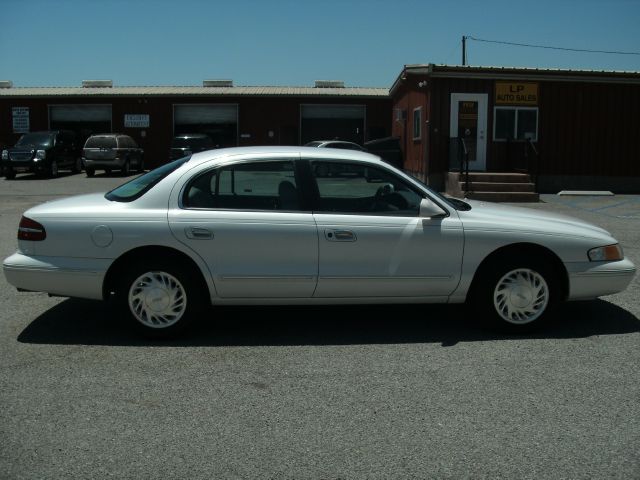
(336, 392)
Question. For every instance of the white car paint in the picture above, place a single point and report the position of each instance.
(279, 257)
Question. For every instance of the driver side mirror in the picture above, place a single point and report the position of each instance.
(428, 209)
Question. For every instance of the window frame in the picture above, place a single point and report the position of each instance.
(516, 109)
(417, 114)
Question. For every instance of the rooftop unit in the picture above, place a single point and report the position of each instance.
(97, 83)
(6, 84)
(329, 84)
(217, 83)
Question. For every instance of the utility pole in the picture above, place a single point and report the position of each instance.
(464, 50)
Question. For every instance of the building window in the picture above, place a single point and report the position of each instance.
(515, 123)
(417, 123)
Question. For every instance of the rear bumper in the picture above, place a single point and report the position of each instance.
(594, 279)
(67, 277)
(115, 163)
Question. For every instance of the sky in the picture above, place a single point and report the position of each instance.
(364, 43)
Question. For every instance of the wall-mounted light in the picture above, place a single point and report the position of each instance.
(422, 84)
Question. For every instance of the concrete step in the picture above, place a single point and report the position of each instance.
(499, 187)
(497, 177)
(504, 196)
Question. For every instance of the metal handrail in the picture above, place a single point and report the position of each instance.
(464, 158)
(537, 160)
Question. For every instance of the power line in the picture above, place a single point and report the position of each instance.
(612, 52)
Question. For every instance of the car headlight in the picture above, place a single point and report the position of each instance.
(41, 155)
(606, 253)
(5, 155)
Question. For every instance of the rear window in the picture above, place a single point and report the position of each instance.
(101, 142)
(137, 187)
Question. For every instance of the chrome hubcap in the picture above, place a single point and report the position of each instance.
(157, 299)
(521, 296)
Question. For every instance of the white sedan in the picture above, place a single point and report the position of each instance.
(263, 226)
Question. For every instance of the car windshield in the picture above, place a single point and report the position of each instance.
(140, 185)
(36, 139)
(452, 202)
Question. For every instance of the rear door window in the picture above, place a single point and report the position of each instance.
(250, 186)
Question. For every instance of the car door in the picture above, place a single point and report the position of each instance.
(248, 221)
(373, 243)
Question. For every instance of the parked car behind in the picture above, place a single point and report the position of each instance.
(335, 144)
(388, 149)
(112, 151)
(185, 144)
(247, 226)
(43, 153)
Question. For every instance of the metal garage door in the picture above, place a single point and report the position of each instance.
(83, 119)
(219, 121)
(332, 122)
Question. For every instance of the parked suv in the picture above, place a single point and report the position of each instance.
(43, 153)
(112, 151)
(188, 143)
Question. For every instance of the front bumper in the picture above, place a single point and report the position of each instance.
(67, 277)
(594, 279)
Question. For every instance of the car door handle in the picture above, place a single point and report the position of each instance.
(198, 233)
(340, 235)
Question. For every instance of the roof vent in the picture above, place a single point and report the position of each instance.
(329, 84)
(97, 83)
(6, 84)
(217, 83)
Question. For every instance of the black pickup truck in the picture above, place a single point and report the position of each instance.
(112, 151)
(42, 153)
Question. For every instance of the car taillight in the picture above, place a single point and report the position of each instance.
(31, 230)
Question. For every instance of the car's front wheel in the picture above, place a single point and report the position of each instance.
(516, 295)
(53, 169)
(161, 300)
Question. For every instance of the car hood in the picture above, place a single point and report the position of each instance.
(495, 216)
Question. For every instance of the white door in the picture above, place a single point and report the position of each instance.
(372, 241)
(246, 222)
(469, 121)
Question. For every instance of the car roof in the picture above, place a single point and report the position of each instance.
(223, 154)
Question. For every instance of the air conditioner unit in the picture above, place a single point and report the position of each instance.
(217, 83)
(97, 83)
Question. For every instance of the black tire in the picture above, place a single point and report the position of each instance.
(10, 173)
(90, 171)
(77, 166)
(52, 171)
(126, 169)
(160, 299)
(516, 294)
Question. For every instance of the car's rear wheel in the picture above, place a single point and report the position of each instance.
(517, 295)
(77, 166)
(160, 299)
